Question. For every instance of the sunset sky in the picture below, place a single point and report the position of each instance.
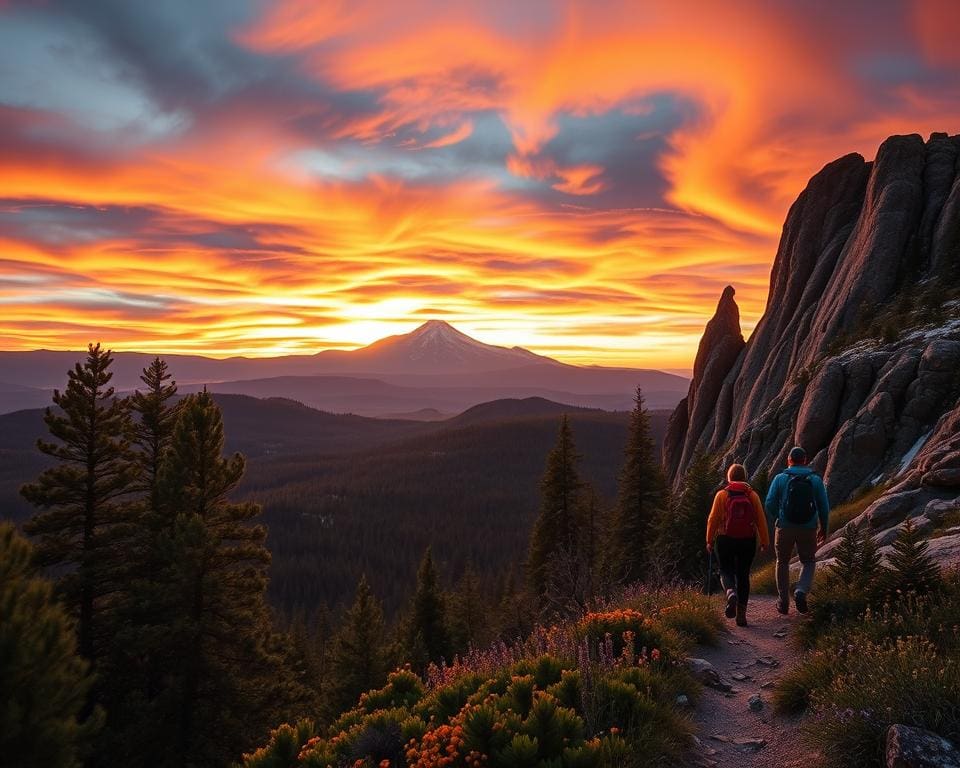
(580, 178)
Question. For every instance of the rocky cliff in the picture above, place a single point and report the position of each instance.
(857, 355)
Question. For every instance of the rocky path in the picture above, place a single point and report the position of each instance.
(733, 728)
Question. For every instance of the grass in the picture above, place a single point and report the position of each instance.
(897, 681)
(844, 513)
(792, 694)
(875, 657)
(763, 581)
(687, 612)
(950, 520)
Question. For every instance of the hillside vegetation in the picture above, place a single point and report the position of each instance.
(881, 646)
(345, 495)
(598, 691)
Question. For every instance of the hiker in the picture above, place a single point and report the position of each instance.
(797, 502)
(736, 521)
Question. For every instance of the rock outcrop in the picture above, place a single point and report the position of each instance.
(871, 404)
(909, 747)
(702, 413)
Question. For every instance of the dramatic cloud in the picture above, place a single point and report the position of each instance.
(580, 178)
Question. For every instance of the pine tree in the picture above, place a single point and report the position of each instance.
(132, 675)
(44, 682)
(212, 636)
(307, 652)
(83, 521)
(912, 569)
(847, 554)
(154, 428)
(856, 558)
(597, 580)
(870, 562)
(469, 619)
(560, 508)
(358, 658)
(641, 499)
(515, 611)
(427, 638)
(681, 529)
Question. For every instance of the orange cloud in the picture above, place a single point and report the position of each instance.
(460, 133)
(593, 173)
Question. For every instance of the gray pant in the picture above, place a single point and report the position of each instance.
(805, 540)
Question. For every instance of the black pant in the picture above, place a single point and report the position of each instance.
(735, 557)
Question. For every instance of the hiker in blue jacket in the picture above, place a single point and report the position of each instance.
(798, 505)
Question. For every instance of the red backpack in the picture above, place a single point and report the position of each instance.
(741, 515)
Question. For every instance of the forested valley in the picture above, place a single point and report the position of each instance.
(140, 589)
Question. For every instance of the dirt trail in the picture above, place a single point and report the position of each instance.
(750, 659)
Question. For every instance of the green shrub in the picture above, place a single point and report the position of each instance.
(519, 706)
(403, 689)
(284, 747)
(911, 567)
(523, 725)
(625, 631)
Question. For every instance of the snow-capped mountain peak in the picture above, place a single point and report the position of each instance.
(437, 345)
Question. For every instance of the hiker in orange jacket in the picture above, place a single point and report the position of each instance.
(737, 521)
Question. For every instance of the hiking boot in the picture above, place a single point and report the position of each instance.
(800, 598)
(783, 607)
(741, 614)
(731, 610)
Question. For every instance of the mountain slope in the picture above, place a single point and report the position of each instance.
(428, 363)
(16, 397)
(438, 347)
(257, 428)
(512, 408)
(376, 397)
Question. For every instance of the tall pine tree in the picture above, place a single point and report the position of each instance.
(132, 673)
(596, 581)
(44, 682)
(358, 659)
(560, 509)
(641, 499)
(83, 519)
(911, 567)
(468, 614)
(213, 622)
(427, 637)
(679, 549)
(153, 428)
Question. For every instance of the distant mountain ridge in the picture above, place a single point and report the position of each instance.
(435, 366)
